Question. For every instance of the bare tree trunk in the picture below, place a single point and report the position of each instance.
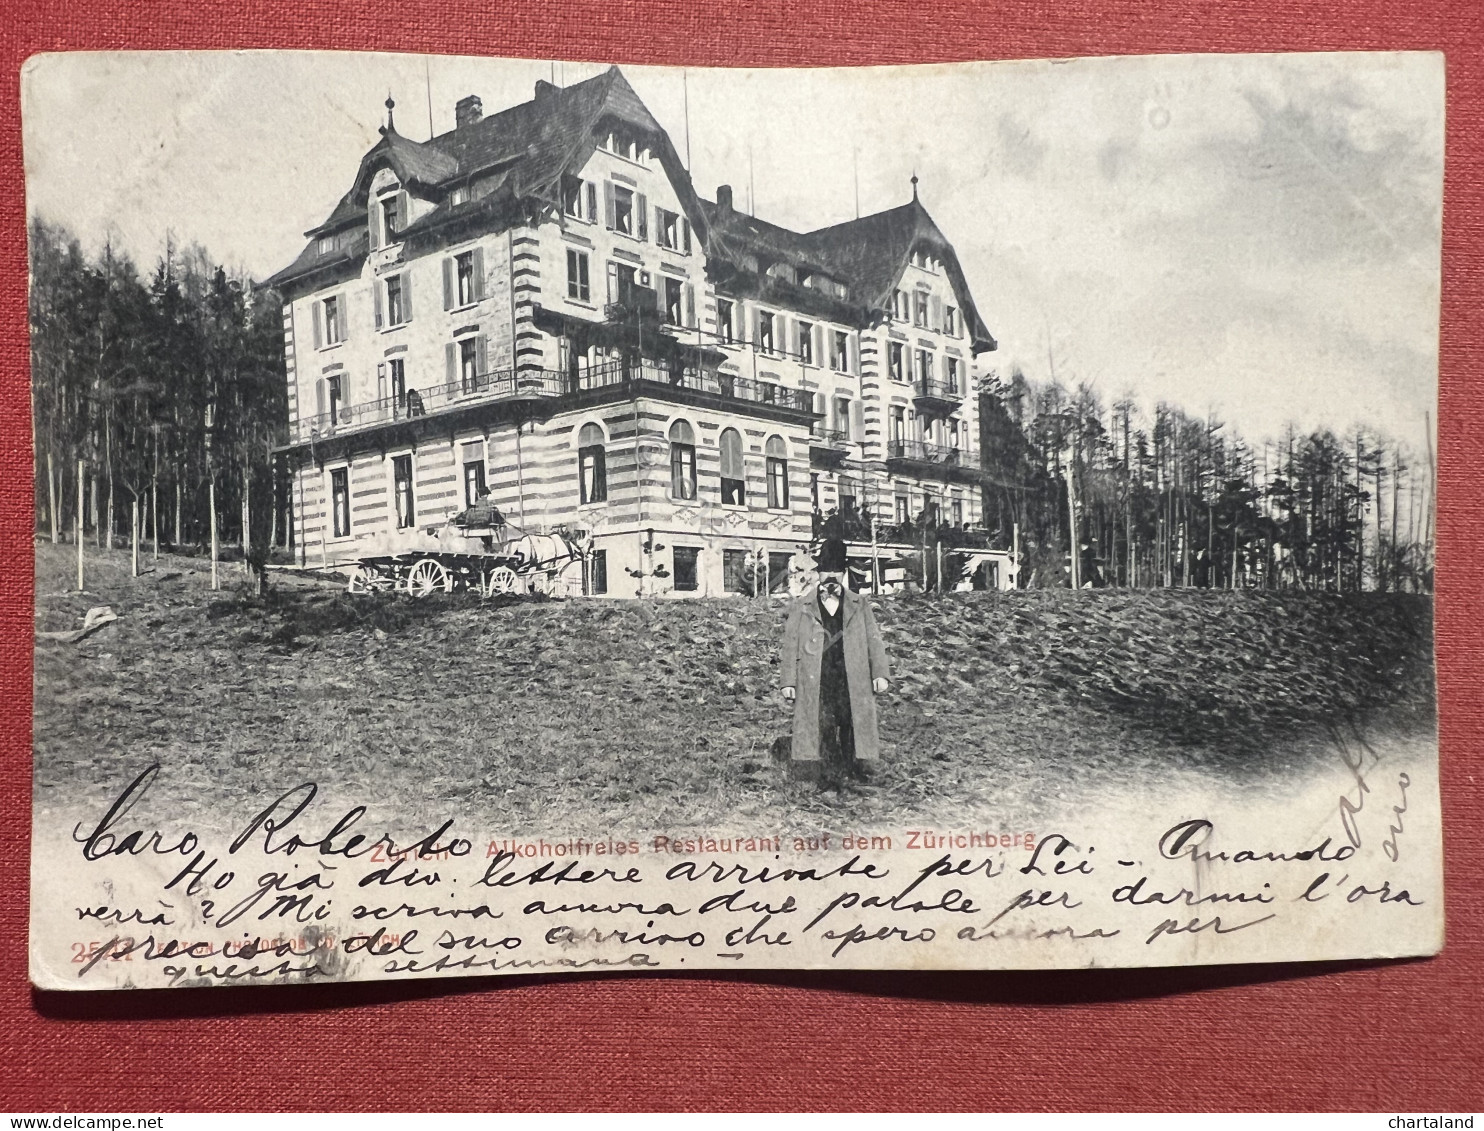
(81, 475)
(108, 463)
(211, 506)
(51, 496)
(179, 474)
(93, 498)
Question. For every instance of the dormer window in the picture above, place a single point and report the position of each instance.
(458, 196)
(392, 220)
(326, 245)
(622, 143)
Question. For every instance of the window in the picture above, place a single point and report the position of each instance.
(898, 424)
(340, 501)
(398, 296)
(958, 512)
(398, 370)
(466, 278)
(920, 308)
(847, 497)
(627, 218)
(597, 572)
(672, 230)
(950, 368)
(902, 513)
(950, 321)
(579, 282)
(336, 394)
(325, 246)
(402, 491)
(806, 343)
(733, 469)
(674, 302)
(894, 361)
(333, 313)
(765, 331)
(726, 320)
(686, 558)
(777, 455)
(840, 351)
(579, 198)
(622, 143)
(842, 417)
(924, 367)
(392, 220)
(592, 467)
(736, 571)
(899, 306)
(468, 365)
(682, 461)
(474, 484)
(458, 196)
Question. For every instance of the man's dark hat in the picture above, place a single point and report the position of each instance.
(831, 556)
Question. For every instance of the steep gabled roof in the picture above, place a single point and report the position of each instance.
(872, 251)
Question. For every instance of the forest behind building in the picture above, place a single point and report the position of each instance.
(159, 397)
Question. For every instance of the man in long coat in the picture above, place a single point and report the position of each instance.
(832, 667)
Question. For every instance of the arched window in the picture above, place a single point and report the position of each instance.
(592, 466)
(777, 455)
(733, 470)
(682, 461)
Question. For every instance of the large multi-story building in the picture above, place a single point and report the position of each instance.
(538, 304)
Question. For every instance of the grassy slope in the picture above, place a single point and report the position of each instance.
(590, 716)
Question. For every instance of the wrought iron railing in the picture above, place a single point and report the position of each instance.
(523, 383)
(829, 437)
(920, 451)
(939, 390)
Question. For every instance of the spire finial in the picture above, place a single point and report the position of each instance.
(390, 106)
(914, 184)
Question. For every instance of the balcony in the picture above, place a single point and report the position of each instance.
(652, 378)
(500, 385)
(933, 461)
(936, 398)
(828, 447)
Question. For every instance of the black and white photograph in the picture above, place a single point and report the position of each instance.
(501, 515)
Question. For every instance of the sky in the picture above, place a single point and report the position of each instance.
(1254, 237)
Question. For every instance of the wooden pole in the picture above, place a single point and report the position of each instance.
(81, 475)
(134, 537)
(875, 557)
(940, 566)
(211, 501)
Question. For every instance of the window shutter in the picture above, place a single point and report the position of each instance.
(344, 309)
(757, 329)
(481, 354)
(372, 224)
(451, 356)
(641, 211)
(406, 296)
(592, 200)
(319, 324)
(479, 274)
(448, 284)
(857, 420)
(690, 305)
(612, 282)
(381, 380)
(609, 220)
(936, 308)
(834, 353)
(404, 211)
(319, 396)
(819, 336)
(376, 297)
(852, 349)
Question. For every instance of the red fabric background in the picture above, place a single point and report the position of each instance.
(1391, 1036)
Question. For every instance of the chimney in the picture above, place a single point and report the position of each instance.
(467, 111)
(544, 89)
(724, 198)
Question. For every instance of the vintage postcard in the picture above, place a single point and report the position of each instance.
(498, 516)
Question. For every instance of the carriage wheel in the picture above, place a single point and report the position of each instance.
(501, 579)
(359, 580)
(428, 575)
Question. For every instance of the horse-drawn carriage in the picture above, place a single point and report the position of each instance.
(475, 551)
